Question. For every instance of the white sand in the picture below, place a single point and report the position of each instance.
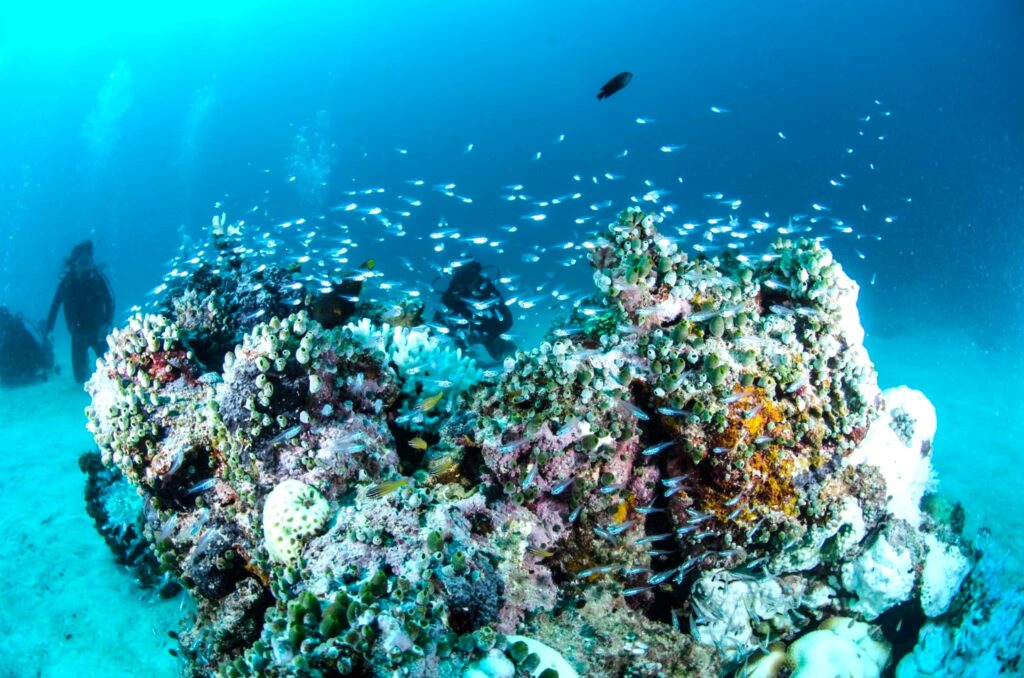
(68, 610)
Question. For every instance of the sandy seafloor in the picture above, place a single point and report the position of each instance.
(66, 609)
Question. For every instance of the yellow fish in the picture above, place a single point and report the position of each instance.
(387, 487)
(441, 465)
(418, 443)
(430, 403)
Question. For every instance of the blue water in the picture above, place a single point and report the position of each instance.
(135, 127)
(130, 128)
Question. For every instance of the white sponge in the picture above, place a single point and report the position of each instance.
(882, 576)
(899, 444)
(945, 568)
(841, 647)
(293, 512)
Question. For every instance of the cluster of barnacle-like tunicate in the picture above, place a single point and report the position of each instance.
(147, 384)
(426, 366)
(214, 303)
(289, 374)
(400, 582)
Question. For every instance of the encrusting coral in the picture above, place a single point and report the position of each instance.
(673, 482)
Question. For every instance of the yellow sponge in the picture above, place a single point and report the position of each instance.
(293, 512)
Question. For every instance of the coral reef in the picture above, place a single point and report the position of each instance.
(697, 464)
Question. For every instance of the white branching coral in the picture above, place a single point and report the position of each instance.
(425, 365)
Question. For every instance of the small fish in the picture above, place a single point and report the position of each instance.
(616, 530)
(430, 403)
(672, 412)
(286, 434)
(568, 427)
(385, 488)
(179, 458)
(774, 284)
(808, 312)
(635, 571)
(654, 537)
(562, 486)
(648, 510)
(441, 465)
(167, 527)
(590, 572)
(538, 552)
(636, 411)
(781, 310)
(615, 84)
(512, 446)
(636, 590)
(205, 542)
(202, 486)
(798, 384)
(575, 514)
(411, 416)
(654, 553)
(662, 577)
(655, 449)
(673, 490)
(701, 316)
(611, 489)
(418, 443)
(531, 474)
(734, 500)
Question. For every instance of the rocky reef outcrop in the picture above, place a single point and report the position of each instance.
(695, 474)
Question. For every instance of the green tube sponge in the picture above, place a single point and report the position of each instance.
(545, 658)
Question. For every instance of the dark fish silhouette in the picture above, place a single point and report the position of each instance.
(615, 84)
(334, 308)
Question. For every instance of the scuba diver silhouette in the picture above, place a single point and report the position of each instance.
(88, 308)
(25, 355)
(475, 311)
